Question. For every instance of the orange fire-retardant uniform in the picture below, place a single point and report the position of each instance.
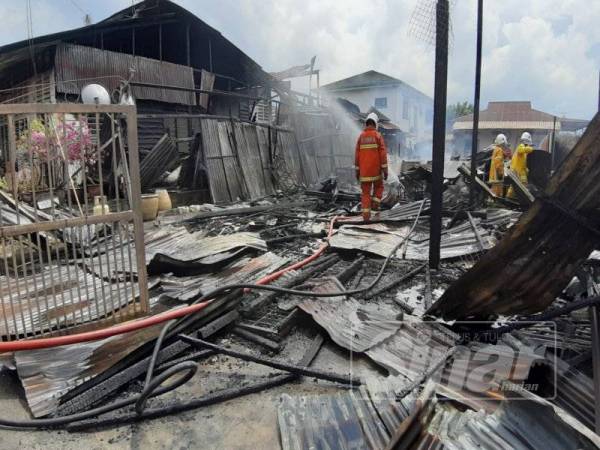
(371, 163)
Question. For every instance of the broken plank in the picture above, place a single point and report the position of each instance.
(519, 186)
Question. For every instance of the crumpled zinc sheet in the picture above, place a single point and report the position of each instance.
(380, 239)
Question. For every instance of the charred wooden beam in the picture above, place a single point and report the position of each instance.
(257, 339)
(519, 186)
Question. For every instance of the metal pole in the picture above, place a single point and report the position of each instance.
(439, 130)
(551, 146)
(475, 136)
(595, 324)
(188, 45)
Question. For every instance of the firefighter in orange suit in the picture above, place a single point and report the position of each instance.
(371, 166)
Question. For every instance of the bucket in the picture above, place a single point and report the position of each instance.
(149, 206)
(164, 200)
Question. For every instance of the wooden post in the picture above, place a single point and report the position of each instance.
(133, 41)
(439, 131)
(160, 52)
(136, 200)
(188, 45)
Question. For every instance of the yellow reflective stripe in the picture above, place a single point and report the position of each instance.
(368, 146)
(365, 179)
(376, 200)
(366, 210)
(384, 166)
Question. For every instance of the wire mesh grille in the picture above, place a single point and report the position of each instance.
(422, 24)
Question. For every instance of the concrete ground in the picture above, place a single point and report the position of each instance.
(248, 422)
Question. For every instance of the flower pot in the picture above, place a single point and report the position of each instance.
(164, 200)
(149, 206)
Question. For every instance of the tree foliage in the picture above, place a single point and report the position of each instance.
(457, 110)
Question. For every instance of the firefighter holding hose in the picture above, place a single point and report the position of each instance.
(371, 166)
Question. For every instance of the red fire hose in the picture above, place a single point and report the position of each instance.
(134, 325)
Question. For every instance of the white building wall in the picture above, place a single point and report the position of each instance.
(398, 98)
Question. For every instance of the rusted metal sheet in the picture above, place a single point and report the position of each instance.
(77, 66)
(412, 350)
(231, 161)
(397, 214)
(350, 324)
(243, 270)
(251, 157)
(287, 163)
(527, 422)
(380, 239)
(538, 257)
(47, 374)
(224, 167)
(359, 419)
(161, 158)
(175, 242)
(183, 245)
(342, 421)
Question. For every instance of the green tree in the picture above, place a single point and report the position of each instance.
(457, 110)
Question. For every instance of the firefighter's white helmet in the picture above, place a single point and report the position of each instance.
(372, 116)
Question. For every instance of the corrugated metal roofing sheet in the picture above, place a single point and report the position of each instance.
(77, 66)
(381, 239)
(350, 324)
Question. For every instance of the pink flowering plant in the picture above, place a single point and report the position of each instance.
(62, 139)
(68, 140)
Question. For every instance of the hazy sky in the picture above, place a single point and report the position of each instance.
(546, 51)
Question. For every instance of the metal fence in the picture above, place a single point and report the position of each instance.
(71, 233)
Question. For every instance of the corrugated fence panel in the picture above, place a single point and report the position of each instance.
(217, 178)
(76, 66)
(343, 150)
(235, 180)
(262, 133)
(249, 155)
(287, 148)
(306, 151)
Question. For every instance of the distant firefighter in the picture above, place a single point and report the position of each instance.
(496, 175)
(371, 166)
(518, 163)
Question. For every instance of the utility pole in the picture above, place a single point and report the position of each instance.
(595, 325)
(439, 129)
(475, 136)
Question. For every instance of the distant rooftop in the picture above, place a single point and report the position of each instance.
(510, 115)
(369, 79)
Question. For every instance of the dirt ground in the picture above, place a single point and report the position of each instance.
(248, 422)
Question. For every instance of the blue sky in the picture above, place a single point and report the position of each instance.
(546, 51)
